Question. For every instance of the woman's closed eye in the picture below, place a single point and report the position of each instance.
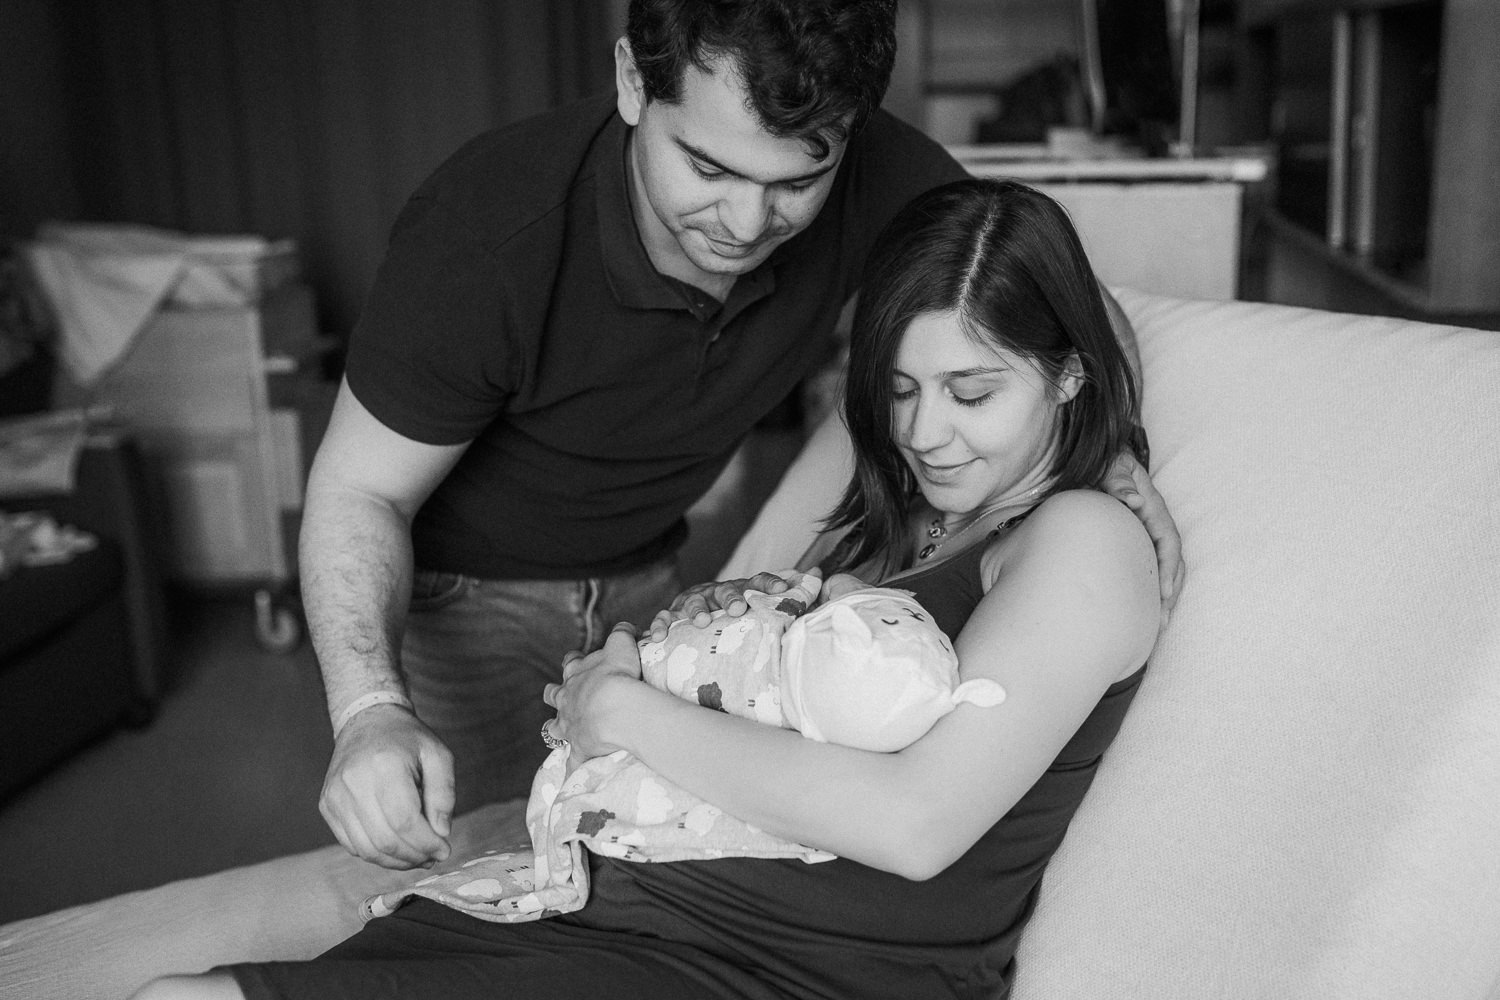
(977, 399)
(964, 389)
(973, 390)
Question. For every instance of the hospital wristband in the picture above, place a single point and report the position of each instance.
(370, 700)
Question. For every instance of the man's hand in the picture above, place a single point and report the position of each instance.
(1130, 483)
(388, 796)
(700, 601)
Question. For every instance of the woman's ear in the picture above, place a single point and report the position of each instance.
(630, 89)
(1071, 379)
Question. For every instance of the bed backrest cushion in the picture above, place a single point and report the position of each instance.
(1305, 798)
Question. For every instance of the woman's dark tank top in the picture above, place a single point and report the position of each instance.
(843, 930)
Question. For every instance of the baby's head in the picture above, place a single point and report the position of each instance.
(869, 668)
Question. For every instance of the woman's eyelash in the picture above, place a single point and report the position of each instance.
(707, 173)
(979, 400)
(899, 394)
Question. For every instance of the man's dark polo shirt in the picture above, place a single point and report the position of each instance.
(516, 307)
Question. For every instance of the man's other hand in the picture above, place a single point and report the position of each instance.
(1130, 483)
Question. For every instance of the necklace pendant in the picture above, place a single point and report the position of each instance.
(927, 550)
(936, 529)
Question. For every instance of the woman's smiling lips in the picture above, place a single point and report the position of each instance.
(941, 474)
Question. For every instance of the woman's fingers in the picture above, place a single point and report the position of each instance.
(588, 692)
(619, 654)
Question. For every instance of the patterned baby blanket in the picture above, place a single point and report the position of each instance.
(869, 670)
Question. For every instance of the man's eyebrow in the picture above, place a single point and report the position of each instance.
(699, 154)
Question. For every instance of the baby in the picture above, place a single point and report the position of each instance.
(868, 668)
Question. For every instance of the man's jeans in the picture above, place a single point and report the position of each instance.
(478, 652)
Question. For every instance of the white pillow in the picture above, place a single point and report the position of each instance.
(1305, 798)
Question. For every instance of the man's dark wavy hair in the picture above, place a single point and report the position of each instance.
(1006, 258)
(814, 69)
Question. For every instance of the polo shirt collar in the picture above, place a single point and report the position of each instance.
(633, 279)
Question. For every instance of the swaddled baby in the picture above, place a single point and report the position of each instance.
(868, 668)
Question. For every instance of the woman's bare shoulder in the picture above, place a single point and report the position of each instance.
(1076, 523)
(1085, 556)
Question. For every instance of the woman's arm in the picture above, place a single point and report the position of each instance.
(791, 517)
(1073, 607)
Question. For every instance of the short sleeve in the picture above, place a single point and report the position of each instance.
(894, 163)
(431, 356)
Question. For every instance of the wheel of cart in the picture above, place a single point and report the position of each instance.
(227, 400)
(278, 621)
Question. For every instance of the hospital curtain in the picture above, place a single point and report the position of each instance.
(312, 119)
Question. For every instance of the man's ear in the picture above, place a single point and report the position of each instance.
(630, 89)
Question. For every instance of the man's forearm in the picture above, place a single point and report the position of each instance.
(356, 566)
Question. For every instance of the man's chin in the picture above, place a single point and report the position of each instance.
(725, 266)
(713, 259)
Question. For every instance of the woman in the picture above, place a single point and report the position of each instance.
(986, 399)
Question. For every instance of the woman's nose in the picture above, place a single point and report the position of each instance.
(926, 427)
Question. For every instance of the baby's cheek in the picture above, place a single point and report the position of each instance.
(842, 585)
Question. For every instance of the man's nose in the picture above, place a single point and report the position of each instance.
(745, 212)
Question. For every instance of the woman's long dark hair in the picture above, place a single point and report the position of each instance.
(1006, 258)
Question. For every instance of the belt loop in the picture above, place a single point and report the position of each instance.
(590, 609)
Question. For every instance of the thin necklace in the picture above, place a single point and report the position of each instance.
(939, 532)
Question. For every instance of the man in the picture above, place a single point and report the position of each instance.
(578, 320)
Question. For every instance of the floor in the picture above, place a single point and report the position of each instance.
(226, 774)
(229, 771)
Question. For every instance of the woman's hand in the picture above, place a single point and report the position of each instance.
(701, 601)
(589, 696)
(1130, 483)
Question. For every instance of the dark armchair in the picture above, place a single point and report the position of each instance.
(82, 643)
